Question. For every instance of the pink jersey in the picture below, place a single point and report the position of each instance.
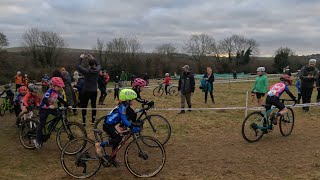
(277, 89)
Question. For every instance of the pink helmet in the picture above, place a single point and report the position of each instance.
(139, 82)
(57, 81)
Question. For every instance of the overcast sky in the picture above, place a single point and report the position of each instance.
(273, 23)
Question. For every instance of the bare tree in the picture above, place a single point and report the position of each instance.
(227, 47)
(166, 49)
(45, 46)
(3, 40)
(98, 50)
(133, 46)
(199, 46)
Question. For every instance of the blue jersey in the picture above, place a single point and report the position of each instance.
(298, 85)
(118, 115)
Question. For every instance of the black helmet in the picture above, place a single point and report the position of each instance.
(7, 86)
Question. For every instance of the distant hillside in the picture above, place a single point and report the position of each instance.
(71, 50)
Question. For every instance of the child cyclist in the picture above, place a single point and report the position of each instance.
(30, 100)
(274, 94)
(166, 82)
(122, 114)
(47, 107)
(9, 93)
(23, 90)
(138, 86)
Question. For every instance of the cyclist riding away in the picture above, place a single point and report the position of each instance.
(30, 100)
(274, 94)
(120, 115)
(47, 107)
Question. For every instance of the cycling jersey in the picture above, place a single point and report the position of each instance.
(277, 89)
(18, 99)
(167, 80)
(50, 97)
(31, 100)
(119, 115)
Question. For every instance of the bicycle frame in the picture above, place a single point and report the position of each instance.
(6, 103)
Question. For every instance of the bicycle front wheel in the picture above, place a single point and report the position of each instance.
(143, 160)
(287, 123)
(74, 130)
(158, 127)
(173, 91)
(252, 127)
(85, 163)
(28, 132)
(2, 109)
(158, 91)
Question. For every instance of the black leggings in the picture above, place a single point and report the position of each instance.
(85, 97)
(44, 113)
(166, 89)
(115, 137)
(206, 96)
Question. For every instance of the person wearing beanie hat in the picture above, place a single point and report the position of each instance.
(186, 87)
(309, 76)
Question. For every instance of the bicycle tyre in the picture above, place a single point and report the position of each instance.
(152, 126)
(285, 120)
(128, 157)
(80, 159)
(173, 91)
(28, 128)
(98, 125)
(257, 120)
(70, 137)
(2, 109)
(158, 91)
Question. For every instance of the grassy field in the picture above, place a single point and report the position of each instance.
(205, 144)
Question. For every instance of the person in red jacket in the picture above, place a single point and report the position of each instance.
(29, 101)
(166, 82)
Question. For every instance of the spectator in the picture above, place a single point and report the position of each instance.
(208, 84)
(287, 71)
(123, 79)
(235, 75)
(186, 87)
(91, 76)
(106, 77)
(132, 78)
(70, 94)
(260, 87)
(318, 88)
(25, 80)
(116, 91)
(298, 85)
(308, 75)
(18, 80)
(146, 78)
(166, 82)
(102, 85)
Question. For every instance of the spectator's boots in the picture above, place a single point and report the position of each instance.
(189, 109)
(181, 112)
(103, 98)
(213, 100)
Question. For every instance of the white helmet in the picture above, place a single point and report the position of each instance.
(25, 75)
(261, 69)
(18, 72)
(167, 74)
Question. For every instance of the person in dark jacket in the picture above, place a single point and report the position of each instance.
(209, 79)
(102, 85)
(186, 87)
(308, 75)
(89, 91)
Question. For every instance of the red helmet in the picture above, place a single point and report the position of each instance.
(23, 89)
(285, 77)
(139, 82)
(57, 81)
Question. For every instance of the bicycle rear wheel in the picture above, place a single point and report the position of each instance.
(158, 127)
(251, 127)
(28, 132)
(143, 160)
(173, 91)
(85, 163)
(287, 123)
(2, 110)
(75, 130)
(158, 91)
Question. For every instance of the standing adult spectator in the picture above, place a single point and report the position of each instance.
(309, 75)
(102, 85)
(91, 75)
(132, 78)
(235, 74)
(287, 71)
(146, 78)
(260, 87)
(208, 85)
(123, 79)
(186, 87)
(18, 80)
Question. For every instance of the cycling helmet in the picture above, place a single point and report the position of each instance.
(139, 82)
(23, 89)
(7, 86)
(261, 69)
(127, 95)
(167, 74)
(26, 75)
(19, 72)
(32, 88)
(57, 81)
(285, 77)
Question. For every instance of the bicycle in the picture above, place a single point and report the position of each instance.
(6, 106)
(67, 131)
(138, 156)
(172, 90)
(157, 126)
(259, 124)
